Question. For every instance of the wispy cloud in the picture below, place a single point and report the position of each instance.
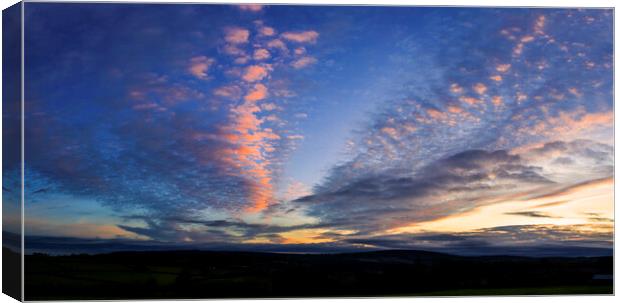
(301, 37)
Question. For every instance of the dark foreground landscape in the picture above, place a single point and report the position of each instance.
(204, 274)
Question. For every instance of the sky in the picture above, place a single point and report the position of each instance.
(318, 127)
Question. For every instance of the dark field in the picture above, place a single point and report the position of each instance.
(203, 274)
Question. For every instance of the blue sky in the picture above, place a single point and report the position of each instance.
(317, 124)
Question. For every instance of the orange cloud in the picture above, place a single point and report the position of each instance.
(303, 62)
(199, 66)
(250, 144)
(497, 101)
(502, 68)
(301, 37)
(261, 54)
(527, 39)
(236, 35)
(570, 124)
(480, 88)
(455, 88)
(435, 114)
(574, 91)
(258, 93)
(470, 100)
(255, 73)
(453, 109)
(390, 131)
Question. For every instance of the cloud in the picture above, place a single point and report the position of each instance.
(502, 68)
(565, 124)
(266, 31)
(386, 200)
(534, 214)
(261, 54)
(228, 91)
(442, 147)
(255, 73)
(301, 37)
(159, 90)
(233, 50)
(497, 100)
(374, 200)
(528, 240)
(251, 7)
(277, 44)
(480, 88)
(300, 51)
(259, 92)
(236, 35)
(303, 62)
(199, 66)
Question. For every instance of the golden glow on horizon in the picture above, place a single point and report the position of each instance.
(590, 203)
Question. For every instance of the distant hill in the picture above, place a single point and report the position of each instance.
(221, 274)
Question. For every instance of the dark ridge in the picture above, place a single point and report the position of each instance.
(220, 274)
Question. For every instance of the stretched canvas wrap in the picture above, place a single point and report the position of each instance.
(187, 151)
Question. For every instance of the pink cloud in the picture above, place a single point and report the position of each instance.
(391, 132)
(470, 100)
(261, 54)
(199, 66)
(480, 88)
(300, 51)
(236, 35)
(259, 92)
(277, 44)
(570, 124)
(502, 68)
(539, 25)
(250, 7)
(255, 73)
(250, 146)
(301, 37)
(455, 88)
(574, 91)
(497, 100)
(266, 31)
(496, 78)
(303, 62)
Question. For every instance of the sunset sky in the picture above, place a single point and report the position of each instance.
(351, 127)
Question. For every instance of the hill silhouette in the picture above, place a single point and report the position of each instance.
(220, 274)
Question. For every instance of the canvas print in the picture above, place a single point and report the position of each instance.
(188, 151)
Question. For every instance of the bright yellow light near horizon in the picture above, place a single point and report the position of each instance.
(584, 204)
